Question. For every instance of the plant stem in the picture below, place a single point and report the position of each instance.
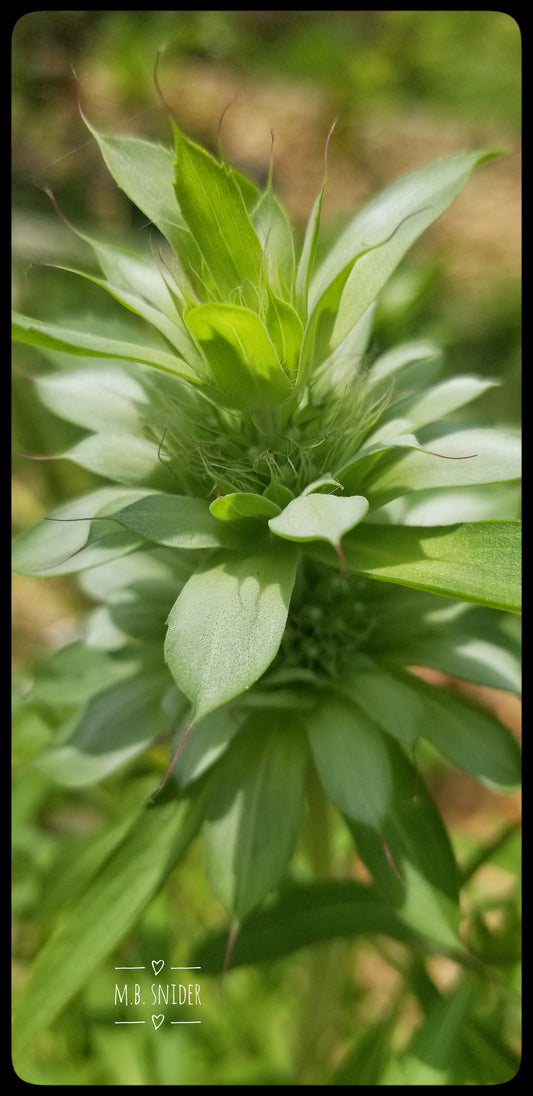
(320, 998)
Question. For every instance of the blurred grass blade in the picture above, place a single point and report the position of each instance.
(102, 913)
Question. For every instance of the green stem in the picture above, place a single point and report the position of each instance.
(320, 999)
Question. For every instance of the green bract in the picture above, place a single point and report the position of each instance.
(283, 529)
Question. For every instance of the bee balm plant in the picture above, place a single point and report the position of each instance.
(284, 528)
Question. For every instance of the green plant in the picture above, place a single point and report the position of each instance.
(286, 528)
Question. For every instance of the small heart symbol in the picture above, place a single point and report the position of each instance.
(158, 965)
(157, 1021)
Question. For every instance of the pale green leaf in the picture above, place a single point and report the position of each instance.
(66, 530)
(450, 505)
(316, 343)
(139, 275)
(399, 360)
(462, 458)
(54, 337)
(145, 172)
(477, 660)
(315, 516)
(384, 441)
(74, 673)
(169, 327)
(481, 645)
(97, 399)
(123, 458)
(339, 369)
(394, 219)
(443, 399)
(227, 624)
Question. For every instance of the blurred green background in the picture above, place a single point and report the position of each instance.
(403, 87)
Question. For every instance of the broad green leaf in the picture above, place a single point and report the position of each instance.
(302, 916)
(351, 759)
(243, 506)
(411, 858)
(400, 360)
(123, 458)
(398, 215)
(66, 530)
(443, 399)
(451, 505)
(476, 561)
(102, 913)
(254, 814)
(117, 724)
(470, 736)
(462, 458)
(53, 337)
(315, 516)
(176, 521)
(105, 398)
(212, 205)
(227, 624)
(239, 354)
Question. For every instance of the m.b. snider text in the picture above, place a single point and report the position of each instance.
(170, 994)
